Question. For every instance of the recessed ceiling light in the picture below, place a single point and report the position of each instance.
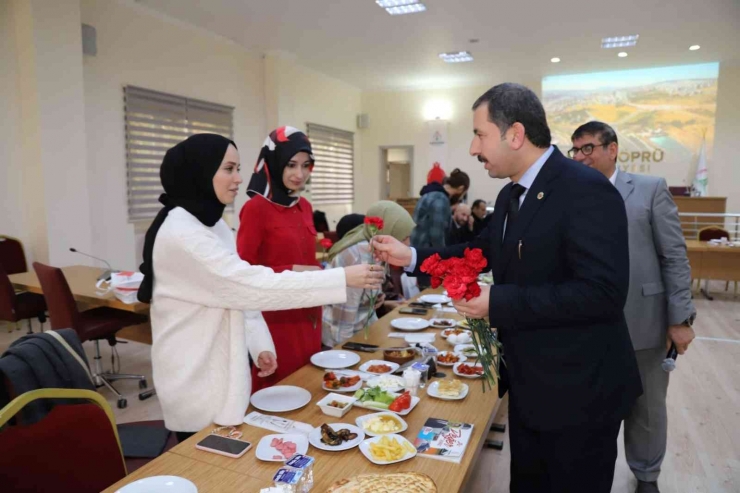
(394, 3)
(622, 54)
(410, 8)
(474, 40)
(694, 47)
(457, 57)
(555, 60)
(620, 41)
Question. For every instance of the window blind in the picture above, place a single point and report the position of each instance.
(332, 180)
(154, 122)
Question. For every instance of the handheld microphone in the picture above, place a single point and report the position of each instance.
(106, 274)
(669, 363)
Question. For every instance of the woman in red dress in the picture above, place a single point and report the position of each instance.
(276, 230)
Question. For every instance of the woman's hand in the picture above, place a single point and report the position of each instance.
(364, 276)
(267, 363)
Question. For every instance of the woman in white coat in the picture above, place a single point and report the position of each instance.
(206, 301)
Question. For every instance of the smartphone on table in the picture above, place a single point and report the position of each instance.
(356, 346)
(230, 447)
(413, 311)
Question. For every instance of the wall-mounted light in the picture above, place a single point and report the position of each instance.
(437, 109)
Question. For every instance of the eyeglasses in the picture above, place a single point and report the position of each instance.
(586, 149)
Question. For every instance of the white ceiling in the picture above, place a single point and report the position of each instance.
(358, 42)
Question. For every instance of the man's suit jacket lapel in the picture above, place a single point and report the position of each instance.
(497, 226)
(536, 196)
(624, 185)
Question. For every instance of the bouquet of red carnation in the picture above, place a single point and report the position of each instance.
(459, 276)
(373, 224)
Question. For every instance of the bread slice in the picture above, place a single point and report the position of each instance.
(402, 482)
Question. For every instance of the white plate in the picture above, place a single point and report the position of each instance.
(156, 484)
(361, 420)
(456, 365)
(335, 359)
(394, 385)
(435, 298)
(414, 401)
(461, 357)
(445, 333)
(280, 398)
(435, 323)
(409, 323)
(420, 338)
(314, 438)
(460, 348)
(368, 364)
(339, 374)
(365, 449)
(433, 391)
(266, 452)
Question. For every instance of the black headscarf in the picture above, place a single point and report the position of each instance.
(348, 223)
(187, 178)
(278, 149)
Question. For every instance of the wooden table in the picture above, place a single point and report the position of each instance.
(81, 280)
(207, 478)
(713, 262)
(477, 408)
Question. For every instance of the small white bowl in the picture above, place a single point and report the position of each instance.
(335, 411)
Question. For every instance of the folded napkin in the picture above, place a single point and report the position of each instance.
(276, 423)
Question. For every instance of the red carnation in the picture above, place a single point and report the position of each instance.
(436, 282)
(475, 258)
(430, 264)
(326, 243)
(473, 291)
(375, 221)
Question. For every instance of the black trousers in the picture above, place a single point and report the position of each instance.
(578, 459)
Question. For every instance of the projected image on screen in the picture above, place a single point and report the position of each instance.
(661, 115)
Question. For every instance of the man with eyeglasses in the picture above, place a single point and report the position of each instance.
(659, 310)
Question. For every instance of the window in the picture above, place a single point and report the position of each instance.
(155, 122)
(332, 180)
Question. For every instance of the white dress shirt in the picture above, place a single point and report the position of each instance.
(613, 178)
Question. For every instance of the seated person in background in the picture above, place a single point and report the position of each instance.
(343, 320)
(320, 222)
(348, 223)
(480, 217)
(461, 226)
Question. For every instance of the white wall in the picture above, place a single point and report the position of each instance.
(724, 166)
(11, 176)
(397, 119)
(43, 96)
(138, 48)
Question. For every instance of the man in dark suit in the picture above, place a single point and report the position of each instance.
(557, 244)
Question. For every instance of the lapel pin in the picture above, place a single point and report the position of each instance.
(540, 195)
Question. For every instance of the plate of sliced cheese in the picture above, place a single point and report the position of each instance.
(448, 390)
